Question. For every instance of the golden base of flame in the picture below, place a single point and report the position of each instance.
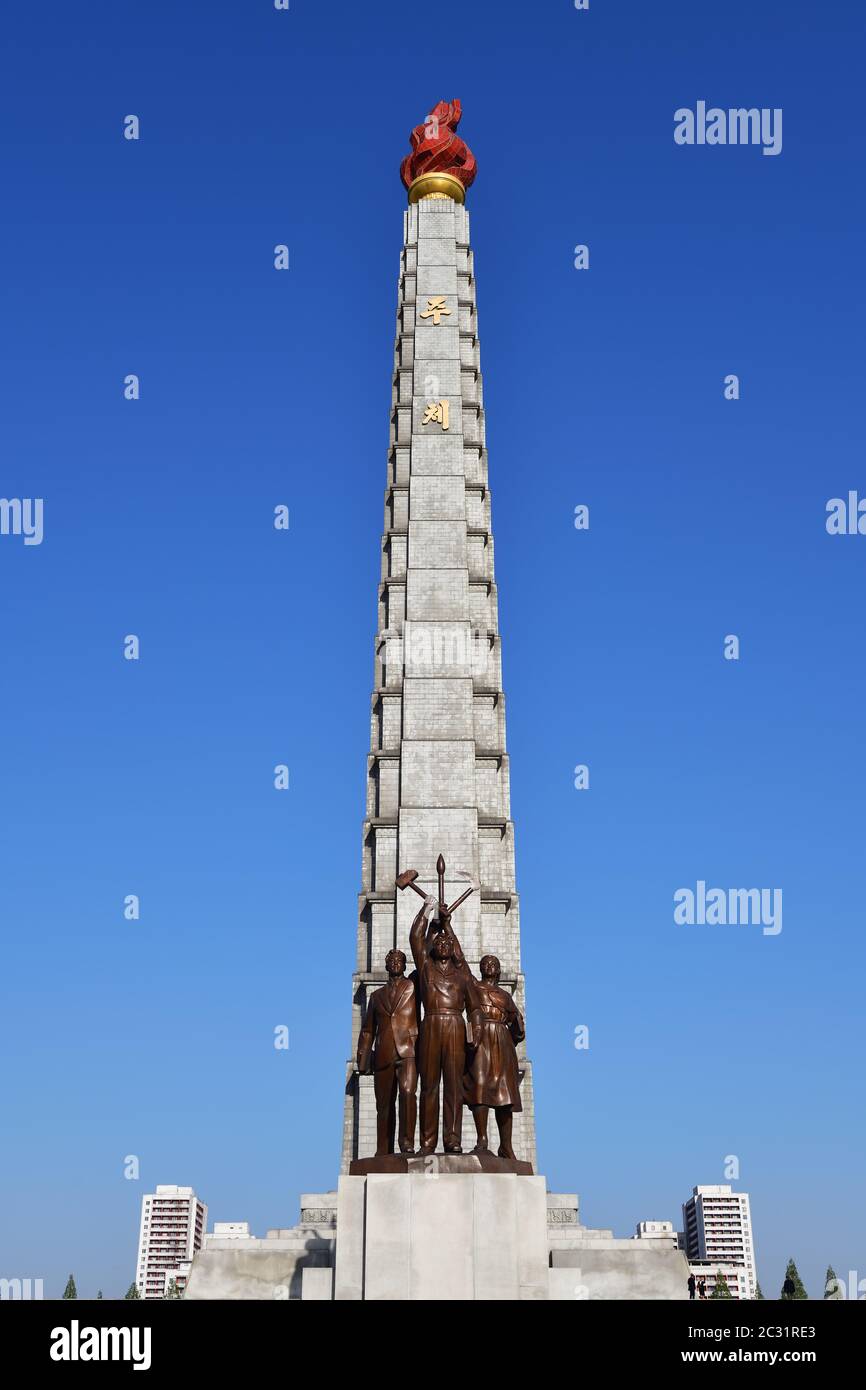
(436, 186)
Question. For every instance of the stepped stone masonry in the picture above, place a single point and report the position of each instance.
(438, 776)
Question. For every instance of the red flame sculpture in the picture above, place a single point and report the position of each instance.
(438, 149)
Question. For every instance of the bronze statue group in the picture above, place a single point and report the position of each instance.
(465, 1040)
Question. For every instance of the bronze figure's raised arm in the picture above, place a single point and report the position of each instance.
(443, 977)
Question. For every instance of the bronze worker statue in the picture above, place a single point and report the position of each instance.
(389, 1037)
(490, 1075)
(443, 978)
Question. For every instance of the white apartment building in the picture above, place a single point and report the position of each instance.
(657, 1230)
(709, 1270)
(717, 1233)
(172, 1228)
(228, 1230)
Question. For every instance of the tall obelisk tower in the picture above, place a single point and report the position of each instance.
(437, 773)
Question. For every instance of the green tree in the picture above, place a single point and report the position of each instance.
(798, 1291)
(758, 1293)
(833, 1286)
(721, 1289)
(172, 1291)
(70, 1291)
(132, 1292)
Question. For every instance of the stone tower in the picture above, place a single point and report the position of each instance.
(437, 783)
(437, 772)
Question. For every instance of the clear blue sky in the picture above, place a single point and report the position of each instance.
(606, 387)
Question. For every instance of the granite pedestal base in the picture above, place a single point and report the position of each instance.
(447, 1232)
(437, 1235)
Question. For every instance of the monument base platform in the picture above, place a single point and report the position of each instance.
(429, 1234)
(438, 1233)
(439, 1163)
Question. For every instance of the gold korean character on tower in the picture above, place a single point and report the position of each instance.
(436, 413)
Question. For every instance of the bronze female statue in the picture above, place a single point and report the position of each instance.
(492, 1076)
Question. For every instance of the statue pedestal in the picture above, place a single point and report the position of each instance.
(433, 1235)
(459, 1234)
(439, 1163)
